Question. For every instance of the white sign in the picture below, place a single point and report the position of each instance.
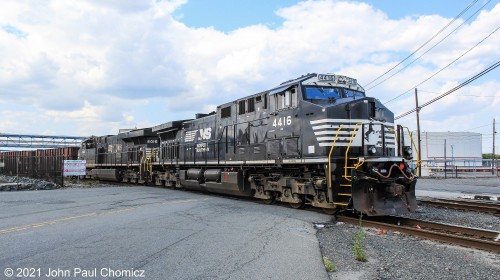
(74, 167)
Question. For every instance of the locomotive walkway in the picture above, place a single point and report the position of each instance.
(166, 233)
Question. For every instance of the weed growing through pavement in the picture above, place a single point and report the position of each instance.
(359, 242)
(330, 267)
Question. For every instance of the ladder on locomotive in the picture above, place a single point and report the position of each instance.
(147, 164)
(343, 193)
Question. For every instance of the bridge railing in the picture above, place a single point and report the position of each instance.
(25, 141)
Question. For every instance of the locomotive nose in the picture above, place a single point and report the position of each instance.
(366, 109)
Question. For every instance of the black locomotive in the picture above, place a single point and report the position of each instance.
(316, 139)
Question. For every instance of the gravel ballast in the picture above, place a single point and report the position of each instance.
(12, 183)
(392, 255)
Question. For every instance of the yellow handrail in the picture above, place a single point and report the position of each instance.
(330, 155)
(415, 148)
(411, 139)
(360, 162)
(348, 148)
(147, 162)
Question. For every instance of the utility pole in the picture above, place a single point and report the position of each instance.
(419, 158)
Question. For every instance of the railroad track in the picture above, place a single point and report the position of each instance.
(478, 206)
(468, 237)
(465, 236)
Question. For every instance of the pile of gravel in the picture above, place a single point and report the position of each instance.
(23, 183)
(392, 255)
(456, 217)
(12, 183)
(74, 184)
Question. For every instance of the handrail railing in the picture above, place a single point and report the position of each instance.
(418, 164)
(330, 156)
(354, 132)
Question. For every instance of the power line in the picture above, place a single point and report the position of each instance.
(431, 48)
(423, 45)
(475, 77)
(480, 95)
(449, 64)
(423, 90)
(477, 127)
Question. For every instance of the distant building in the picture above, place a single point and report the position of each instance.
(462, 148)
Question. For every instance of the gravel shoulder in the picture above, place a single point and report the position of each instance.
(392, 255)
(12, 183)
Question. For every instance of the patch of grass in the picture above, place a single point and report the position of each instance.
(359, 242)
(330, 267)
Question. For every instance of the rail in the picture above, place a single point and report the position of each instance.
(469, 237)
(485, 207)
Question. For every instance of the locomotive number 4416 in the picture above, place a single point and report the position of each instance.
(282, 121)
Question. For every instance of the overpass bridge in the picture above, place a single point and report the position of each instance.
(25, 141)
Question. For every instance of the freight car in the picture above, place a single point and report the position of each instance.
(316, 139)
(45, 163)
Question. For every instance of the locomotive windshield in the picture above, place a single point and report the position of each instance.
(353, 93)
(326, 93)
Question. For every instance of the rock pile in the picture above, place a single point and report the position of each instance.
(25, 184)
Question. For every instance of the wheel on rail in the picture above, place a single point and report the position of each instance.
(329, 211)
(269, 201)
(299, 205)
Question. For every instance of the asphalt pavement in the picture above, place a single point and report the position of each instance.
(154, 233)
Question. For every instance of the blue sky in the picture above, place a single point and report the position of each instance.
(94, 67)
(228, 15)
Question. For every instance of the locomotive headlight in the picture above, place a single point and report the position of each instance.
(372, 150)
(408, 151)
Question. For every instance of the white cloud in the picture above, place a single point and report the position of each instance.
(101, 64)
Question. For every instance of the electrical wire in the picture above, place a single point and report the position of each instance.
(455, 60)
(423, 45)
(423, 90)
(477, 127)
(470, 80)
(480, 95)
(431, 48)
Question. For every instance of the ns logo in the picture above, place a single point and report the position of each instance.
(203, 134)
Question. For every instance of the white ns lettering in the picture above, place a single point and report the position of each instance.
(205, 133)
